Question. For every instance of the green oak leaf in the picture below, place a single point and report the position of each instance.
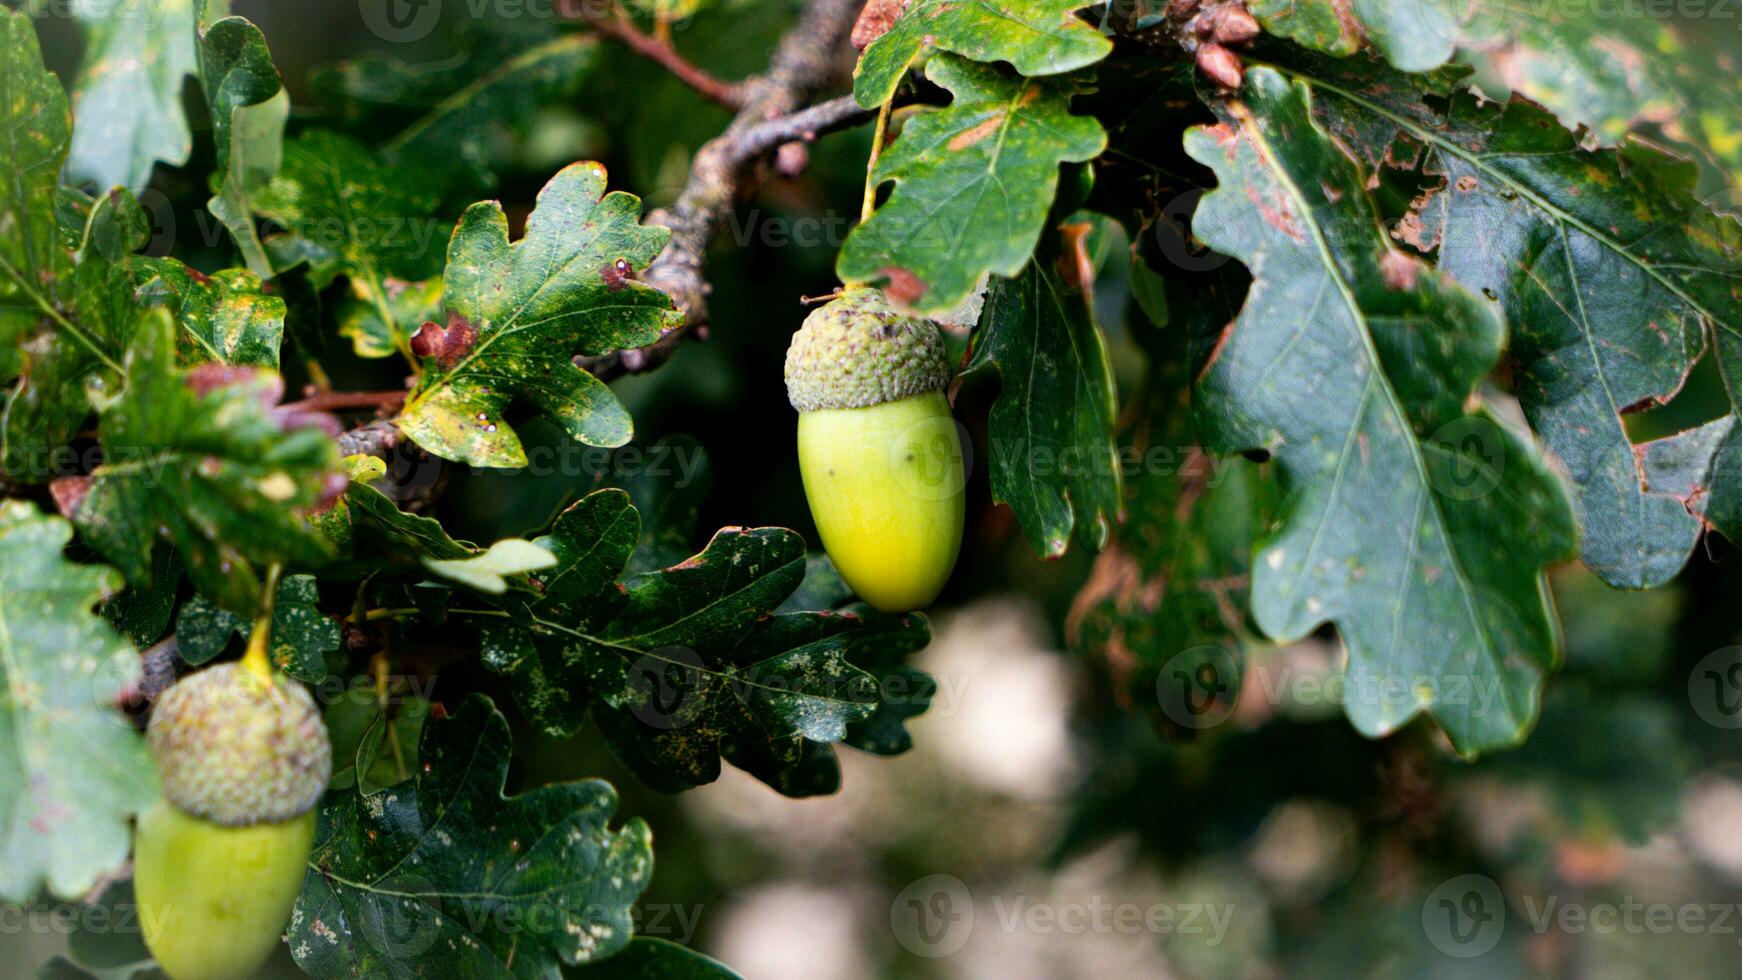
(1039, 37)
(647, 958)
(382, 534)
(455, 140)
(225, 317)
(36, 128)
(973, 184)
(357, 216)
(1051, 452)
(127, 98)
(346, 213)
(687, 665)
(249, 107)
(72, 769)
(1613, 74)
(444, 875)
(378, 320)
(201, 459)
(1419, 527)
(77, 360)
(374, 746)
(518, 314)
(143, 614)
(104, 942)
(1610, 271)
(299, 642)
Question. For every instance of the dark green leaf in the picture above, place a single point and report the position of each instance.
(656, 959)
(1419, 527)
(300, 640)
(1614, 74)
(201, 459)
(355, 216)
(1051, 452)
(142, 614)
(446, 876)
(689, 664)
(382, 533)
(973, 183)
(72, 770)
(1608, 268)
(109, 938)
(518, 314)
(1039, 37)
(454, 140)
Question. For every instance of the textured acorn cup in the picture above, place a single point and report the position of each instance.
(218, 862)
(236, 749)
(877, 447)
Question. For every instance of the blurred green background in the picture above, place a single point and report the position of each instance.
(1038, 829)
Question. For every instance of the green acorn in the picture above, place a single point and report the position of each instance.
(218, 862)
(878, 449)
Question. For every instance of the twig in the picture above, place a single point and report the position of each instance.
(803, 63)
(340, 401)
(659, 50)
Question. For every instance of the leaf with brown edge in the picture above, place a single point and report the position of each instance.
(973, 184)
(201, 459)
(518, 313)
(1039, 37)
(1613, 275)
(1418, 524)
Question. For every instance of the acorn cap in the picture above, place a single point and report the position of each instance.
(237, 750)
(858, 351)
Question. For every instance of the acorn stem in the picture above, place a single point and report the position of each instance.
(877, 138)
(255, 658)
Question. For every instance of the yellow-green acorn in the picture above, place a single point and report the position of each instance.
(878, 449)
(218, 862)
